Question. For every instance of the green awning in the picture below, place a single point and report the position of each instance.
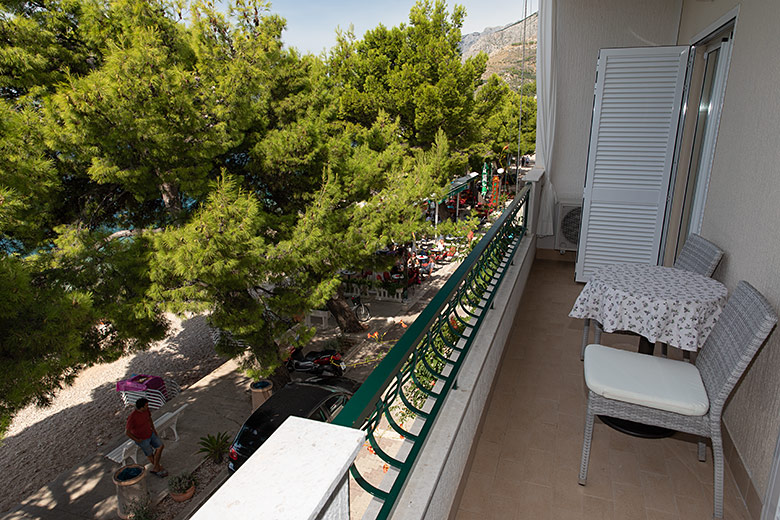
(460, 184)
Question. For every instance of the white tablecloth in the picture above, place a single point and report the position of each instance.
(660, 303)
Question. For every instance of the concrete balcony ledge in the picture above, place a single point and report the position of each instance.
(300, 473)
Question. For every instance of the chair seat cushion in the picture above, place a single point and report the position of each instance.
(655, 382)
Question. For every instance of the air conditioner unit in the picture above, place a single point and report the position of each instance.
(567, 225)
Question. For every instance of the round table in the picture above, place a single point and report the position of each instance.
(664, 304)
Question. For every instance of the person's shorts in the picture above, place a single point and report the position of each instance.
(150, 445)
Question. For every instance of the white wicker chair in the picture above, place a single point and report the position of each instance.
(695, 406)
(698, 255)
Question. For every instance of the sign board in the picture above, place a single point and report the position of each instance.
(495, 189)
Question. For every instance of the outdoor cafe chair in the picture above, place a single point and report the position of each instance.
(677, 395)
(698, 255)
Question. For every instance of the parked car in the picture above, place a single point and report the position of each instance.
(318, 398)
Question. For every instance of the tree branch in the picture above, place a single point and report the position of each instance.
(123, 234)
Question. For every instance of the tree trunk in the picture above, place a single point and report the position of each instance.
(280, 377)
(344, 314)
(171, 197)
(444, 212)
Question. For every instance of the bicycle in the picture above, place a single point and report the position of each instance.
(360, 309)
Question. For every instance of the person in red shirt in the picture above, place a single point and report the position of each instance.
(140, 428)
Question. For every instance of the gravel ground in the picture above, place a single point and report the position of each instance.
(43, 442)
(205, 473)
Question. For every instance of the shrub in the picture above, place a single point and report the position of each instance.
(141, 510)
(214, 447)
(181, 482)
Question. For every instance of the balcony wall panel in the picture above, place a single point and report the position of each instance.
(742, 210)
(432, 486)
(580, 35)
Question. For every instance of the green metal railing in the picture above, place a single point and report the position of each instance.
(415, 376)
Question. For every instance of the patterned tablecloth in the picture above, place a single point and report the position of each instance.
(660, 303)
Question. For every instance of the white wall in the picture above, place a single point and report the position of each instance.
(743, 206)
(583, 27)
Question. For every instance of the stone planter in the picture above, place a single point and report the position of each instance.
(130, 484)
(261, 390)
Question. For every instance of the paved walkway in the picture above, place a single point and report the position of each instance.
(218, 402)
(389, 320)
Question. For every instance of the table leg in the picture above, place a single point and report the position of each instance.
(585, 332)
(636, 429)
(633, 428)
(645, 347)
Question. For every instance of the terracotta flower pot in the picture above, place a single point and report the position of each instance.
(181, 497)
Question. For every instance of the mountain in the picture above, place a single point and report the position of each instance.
(504, 47)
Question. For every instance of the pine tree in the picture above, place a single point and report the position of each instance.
(412, 72)
(158, 160)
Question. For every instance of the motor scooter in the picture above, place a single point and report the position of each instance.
(316, 362)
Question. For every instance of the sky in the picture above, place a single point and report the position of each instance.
(311, 24)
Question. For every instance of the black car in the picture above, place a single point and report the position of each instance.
(317, 398)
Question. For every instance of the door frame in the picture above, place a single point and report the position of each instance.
(679, 206)
(698, 183)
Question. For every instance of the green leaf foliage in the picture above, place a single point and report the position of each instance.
(182, 482)
(165, 156)
(45, 330)
(214, 447)
(41, 42)
(413, 72)
(28, 180)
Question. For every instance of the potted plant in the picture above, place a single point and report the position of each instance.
(214, 447)
(182, 486)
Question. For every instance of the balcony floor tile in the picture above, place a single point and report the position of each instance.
(527, 460)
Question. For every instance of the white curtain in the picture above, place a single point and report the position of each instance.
(547, 205)
(546, 90)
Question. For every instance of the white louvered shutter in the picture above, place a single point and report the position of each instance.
(636, 114)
